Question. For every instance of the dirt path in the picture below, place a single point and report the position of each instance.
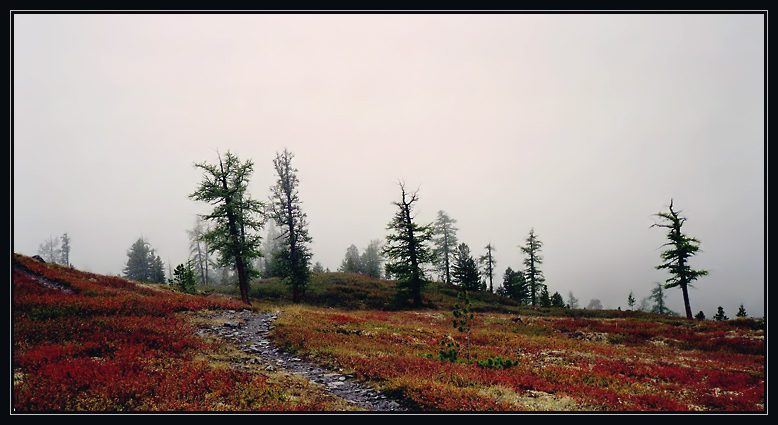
(249, 332)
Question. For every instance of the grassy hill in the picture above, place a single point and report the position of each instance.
(89, 342)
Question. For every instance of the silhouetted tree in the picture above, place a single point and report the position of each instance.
(488, 262)
(406, 249)
(236, 217)
(700, 316)
(741, 311)
(630, 300)
(514, 286)
(465, 271)
(285, 210)
(720, 316)
(532, 273)
(677, 256)
(544, 299)
(445, 241)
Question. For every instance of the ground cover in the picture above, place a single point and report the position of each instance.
(561, 363)
(84, 342)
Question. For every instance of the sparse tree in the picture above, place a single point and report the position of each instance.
(65, 250)
(532, 271)
(720, 316)
(741, 311)
(676, 257)
(572, 301)
(285, 210)
(700, 316)
(465, 270)
(658, 296)
(50, 251)
(445, 241)
(236, 217)
(406, 249)
(198, 249)
(630, 300)
(352, 263)
(488, 262)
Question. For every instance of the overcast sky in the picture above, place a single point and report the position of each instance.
(581, 126)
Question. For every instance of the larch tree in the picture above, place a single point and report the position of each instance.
(406, 249)
(488, 262)
(445, 242)
(676, 258)
(532, 262)
(65, 250)
(292, 221)
(236, 217)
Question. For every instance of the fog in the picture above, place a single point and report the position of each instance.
(579, 126)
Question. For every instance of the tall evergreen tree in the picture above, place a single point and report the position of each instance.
(676, 258)
(445, 241)
(143, 265)
(465, 271)
(286, 211)
(532, 262)
(236, 218)
(65, 250)
(406, 249)
(488, 261)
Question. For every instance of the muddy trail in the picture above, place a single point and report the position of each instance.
(249, 331)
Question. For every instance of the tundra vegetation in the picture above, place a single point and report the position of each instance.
(83, 341)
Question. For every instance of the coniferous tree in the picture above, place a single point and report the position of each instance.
(465, 270)
(352, 262)
(65, 250)
(630, 300)
(236, 217)
(658, 296)
(532, 271)
(676, 258)
(488, 261)
(741, 311)
(371, 259)
(700, 316)
(143, 265)
(406, 249)
(445, 241)
(184, 278)
(545, 299)
(557, 300)
(286, 211)
(720, 316)
(514, 286)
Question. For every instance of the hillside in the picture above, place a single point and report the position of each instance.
(88, 342)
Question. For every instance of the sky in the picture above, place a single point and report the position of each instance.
(579, 126)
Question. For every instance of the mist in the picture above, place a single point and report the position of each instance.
(579, 126)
